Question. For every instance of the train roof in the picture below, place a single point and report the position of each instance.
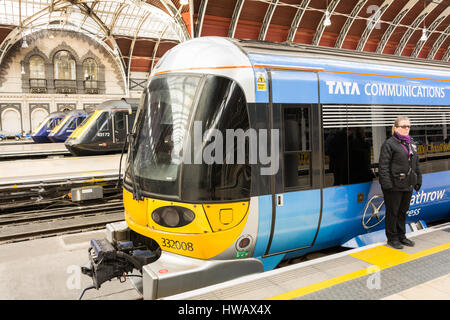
(200, 53)
(246, 62)
(76, 112)
(119, 104)
(317, 52)
(57, 114)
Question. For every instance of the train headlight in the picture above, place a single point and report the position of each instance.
(188, 215)
(170, 217)
(173, 216)
(156, 217)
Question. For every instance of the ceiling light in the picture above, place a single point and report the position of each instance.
(24, 43)
(183, 2)
(424, 36)
(327, 20)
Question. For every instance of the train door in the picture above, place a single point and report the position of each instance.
(296, 188)
(120, 123)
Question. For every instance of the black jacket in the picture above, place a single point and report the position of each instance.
(397, 171)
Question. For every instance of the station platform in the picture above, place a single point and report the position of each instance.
(49, 268)
(374, 272)
(32, 149)
(20, 172)
(14, 141)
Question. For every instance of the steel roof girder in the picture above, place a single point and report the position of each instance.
(267, 19)
(235, 18)
(415, 25)
(446, 56)
(321, 28)
(430, 30)
(390, 30)
(437, 44)
(170, 7)
(373, 24)
(200, 18)
(297, 19)
(349, 22)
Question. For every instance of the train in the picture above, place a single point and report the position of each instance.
(40, 134)
(247, 153)
(105, 130)
(64, 129)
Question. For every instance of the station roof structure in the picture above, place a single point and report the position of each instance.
(140, 32)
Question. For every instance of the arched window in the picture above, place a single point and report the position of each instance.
(90, 69)
(37, 67)
(65, 68)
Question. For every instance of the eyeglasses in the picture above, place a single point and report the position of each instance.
(404, 127)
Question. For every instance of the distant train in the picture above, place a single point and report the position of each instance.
(72, 120)
(40, 134)
(105, 130)
(209, 210)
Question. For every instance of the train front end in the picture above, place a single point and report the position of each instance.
(187, 185)
(68, 125)
(104, 131)
(179, 188)
(40, 134)
(80, 141)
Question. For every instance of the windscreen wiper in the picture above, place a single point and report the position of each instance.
(136, 187)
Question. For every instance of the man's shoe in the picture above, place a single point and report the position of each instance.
(407, 242)
(395, 244)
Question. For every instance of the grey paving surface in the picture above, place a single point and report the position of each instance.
(49, 269)
(388, 281)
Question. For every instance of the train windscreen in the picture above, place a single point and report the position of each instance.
(180, 147)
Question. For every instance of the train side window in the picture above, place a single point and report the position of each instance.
(297, 146)
(54, 123)
(351, 154)
(433, 146)
(80, 120)
(72, 124)
(418, 134)
(352, 144)
(353, 136)
(103, 122)
(119, 119)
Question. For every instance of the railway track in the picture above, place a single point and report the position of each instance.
(27, 225)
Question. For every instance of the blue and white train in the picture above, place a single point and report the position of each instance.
(72, 120)
(40, 134)
(247, 153)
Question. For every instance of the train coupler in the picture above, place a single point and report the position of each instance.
(115, 259)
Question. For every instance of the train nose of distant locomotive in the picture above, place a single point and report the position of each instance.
(71, 145)
(38, 138)
(53, 137)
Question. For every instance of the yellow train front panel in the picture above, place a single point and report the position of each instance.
(214, 228)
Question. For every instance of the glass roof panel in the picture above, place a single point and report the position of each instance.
(129, 17)
(106, 11)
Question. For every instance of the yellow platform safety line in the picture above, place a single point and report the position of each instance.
(92, 173)
(382, 257)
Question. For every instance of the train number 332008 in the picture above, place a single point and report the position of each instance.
(186, 246)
